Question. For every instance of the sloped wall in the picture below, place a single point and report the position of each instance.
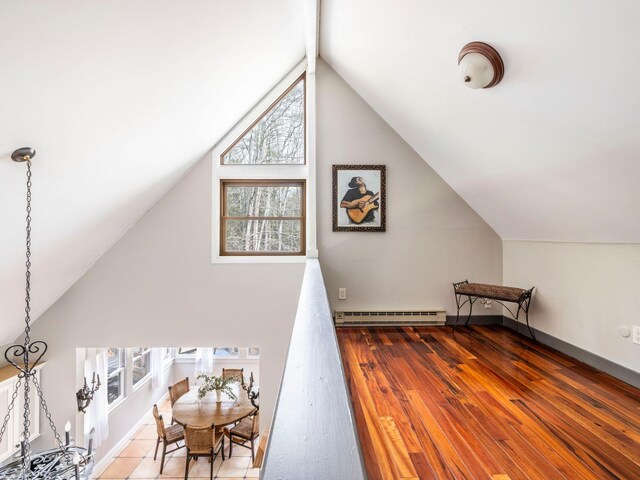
(157, 287)
(584, 292)
(433, 237)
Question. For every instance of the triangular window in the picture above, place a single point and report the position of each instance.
(277, 137)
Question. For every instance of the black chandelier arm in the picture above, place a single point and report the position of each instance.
(16, 351)
(35, 348)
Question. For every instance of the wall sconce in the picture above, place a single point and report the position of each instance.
(85, 394)
(480, 65)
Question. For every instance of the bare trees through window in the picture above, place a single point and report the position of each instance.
(263, 216)
(277, 137)
(267, 216)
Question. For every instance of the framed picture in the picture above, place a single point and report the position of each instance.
(359, 199)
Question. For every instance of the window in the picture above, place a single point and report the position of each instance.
(115, 374)
(141, 363)
(262, 217)
(277, 137)
(225, 352)
(261, 173)
(254, 352)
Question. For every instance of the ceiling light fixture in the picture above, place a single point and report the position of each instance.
(67, 461)
(480, 65)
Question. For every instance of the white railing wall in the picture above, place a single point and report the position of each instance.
(313, 434)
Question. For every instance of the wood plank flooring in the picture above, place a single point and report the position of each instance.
(485, 404)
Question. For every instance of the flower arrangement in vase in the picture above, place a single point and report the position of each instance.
(216, 384)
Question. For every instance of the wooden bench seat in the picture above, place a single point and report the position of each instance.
(499, 293)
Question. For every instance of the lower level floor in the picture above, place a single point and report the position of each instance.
(135, 459)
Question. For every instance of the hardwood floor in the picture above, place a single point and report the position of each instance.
(483, 405)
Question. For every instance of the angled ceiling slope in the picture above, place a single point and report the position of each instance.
(120, 99)
(553, 152)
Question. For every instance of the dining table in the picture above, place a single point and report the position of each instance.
(188, 410)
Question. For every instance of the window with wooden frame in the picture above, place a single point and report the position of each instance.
(260, 172)
(262, 217)
(277, 137)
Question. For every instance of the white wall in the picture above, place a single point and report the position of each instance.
(584, 292)
(157, 287)
(433, 237)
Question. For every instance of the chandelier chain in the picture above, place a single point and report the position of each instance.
(26, 457)
(27, 308)
(47, 414)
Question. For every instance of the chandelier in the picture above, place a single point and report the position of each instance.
(66, 461)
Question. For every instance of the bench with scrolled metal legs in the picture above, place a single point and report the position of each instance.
(474, 291)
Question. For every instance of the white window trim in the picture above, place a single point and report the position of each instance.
(168, 360)
(122, 371)
(129, 390)
(265, 172)
(113, 406)
(147, 377)
(222, 361)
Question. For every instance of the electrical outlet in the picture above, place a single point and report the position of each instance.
(636, 334)
(342, 294)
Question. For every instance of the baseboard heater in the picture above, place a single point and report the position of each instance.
(391, 318)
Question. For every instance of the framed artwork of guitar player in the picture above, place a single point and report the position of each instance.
(359, 200)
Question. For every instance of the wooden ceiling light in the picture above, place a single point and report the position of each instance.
(480, 65)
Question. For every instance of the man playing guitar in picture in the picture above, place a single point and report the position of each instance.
(360, 202)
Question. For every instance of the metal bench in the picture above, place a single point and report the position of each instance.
(474, 291)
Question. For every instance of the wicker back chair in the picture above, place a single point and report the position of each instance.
(246, 431)
(171, 435)
(236, 373)
(203, 442)
(178, 389)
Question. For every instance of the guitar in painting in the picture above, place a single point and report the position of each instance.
(357, 214)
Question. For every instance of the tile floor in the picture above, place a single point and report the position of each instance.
(135, 460)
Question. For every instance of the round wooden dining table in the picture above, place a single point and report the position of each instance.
(188, 411)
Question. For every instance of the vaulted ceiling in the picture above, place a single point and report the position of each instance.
(551, 153)
(121, 98)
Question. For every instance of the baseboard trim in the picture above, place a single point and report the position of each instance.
(104, 462)
(614, 369)
(475, 320)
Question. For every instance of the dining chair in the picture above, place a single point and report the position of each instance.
(167, 435)
(203, 442)
(247, 430)
(237, 373)
(178, 389)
